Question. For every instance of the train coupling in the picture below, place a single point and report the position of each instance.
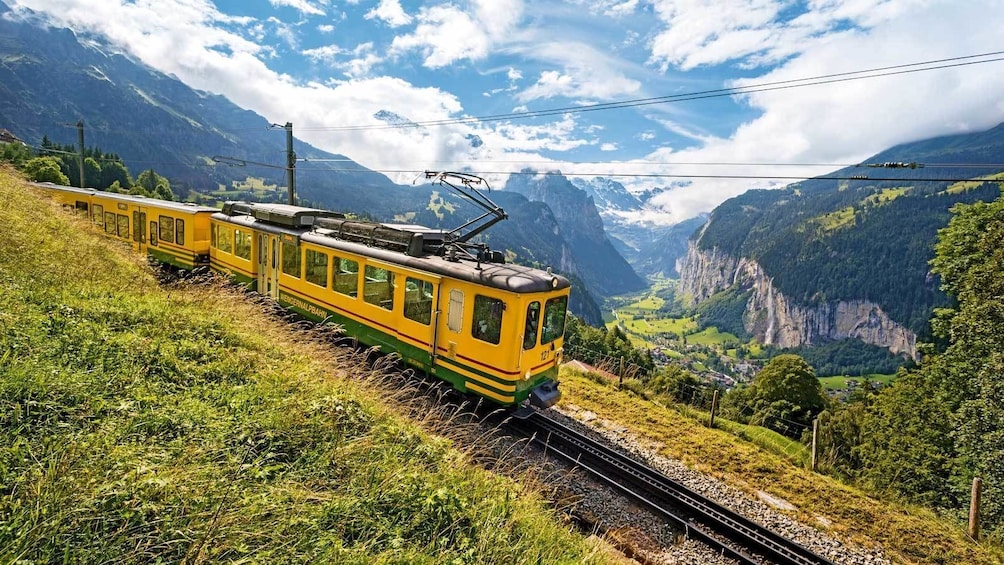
(545, 395)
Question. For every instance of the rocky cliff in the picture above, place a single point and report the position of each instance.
(604, 271)
(775, 319)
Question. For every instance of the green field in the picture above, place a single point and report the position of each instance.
(840, 382)
(638, 315)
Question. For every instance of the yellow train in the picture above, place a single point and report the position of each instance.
(457, 312)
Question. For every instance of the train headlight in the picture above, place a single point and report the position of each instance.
(554, 282)
(526, 377)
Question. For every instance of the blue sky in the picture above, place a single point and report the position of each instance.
(328, 65)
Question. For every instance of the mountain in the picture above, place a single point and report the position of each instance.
(602, 268)
(650, 248)
(666, 253)
(52, 76)
(618, 208)
(835, 259)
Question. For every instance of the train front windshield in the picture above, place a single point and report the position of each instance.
(554, 319)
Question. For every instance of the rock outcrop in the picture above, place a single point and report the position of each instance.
(775, 319)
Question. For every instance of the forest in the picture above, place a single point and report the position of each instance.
(60, 164)
(870, 255)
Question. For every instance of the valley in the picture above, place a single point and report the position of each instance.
(656, 320)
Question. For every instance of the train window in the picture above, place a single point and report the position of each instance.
(379, 289)
(347, 277)
(418, 300)
(225, 239)
(242, 244)
(455, 315)
(532, 323)
(99, 214)
(110, 222)
(317, 267)
(554, 319)
(487, 322)
(81, 207)
(179, 232)
(214, 236)
(166, 228)
(123, 226)
(153, 233)
(291, 260)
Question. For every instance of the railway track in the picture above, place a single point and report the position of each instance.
(724, 530)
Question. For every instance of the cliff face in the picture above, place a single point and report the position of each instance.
(604, 271)
(774, 319)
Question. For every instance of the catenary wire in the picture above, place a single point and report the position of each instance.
(733, 91)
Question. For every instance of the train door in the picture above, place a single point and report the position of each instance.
(268, 265)
(261, 250)
(139, 229)
(416, 326)
(530, 353)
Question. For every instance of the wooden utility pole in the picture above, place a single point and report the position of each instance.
(80, 140)
(974, 509)
(714, 409)
(815, 434)
(290, 164)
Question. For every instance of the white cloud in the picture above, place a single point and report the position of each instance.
(354, 63)
(608, 147)
(391, 12)
(301, 5)
(446, 33)
(706, 32)
(609, 8)
(285, 31)
(325, 28)
(587, 73)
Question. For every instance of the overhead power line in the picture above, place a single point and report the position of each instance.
(733, 91)
(671, 175)
(681, 163)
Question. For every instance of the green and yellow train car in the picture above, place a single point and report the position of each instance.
(174, 233)
(488, 328)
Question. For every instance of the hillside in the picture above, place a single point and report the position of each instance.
(835, 259)
(143, 424)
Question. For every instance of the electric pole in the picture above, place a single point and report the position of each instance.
(80, 139)
(290, 164)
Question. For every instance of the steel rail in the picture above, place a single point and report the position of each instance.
(656, 491)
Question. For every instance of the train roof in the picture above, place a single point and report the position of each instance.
(188, 207)
(510, 277)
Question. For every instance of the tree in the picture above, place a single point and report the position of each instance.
(970, 260)
(45, 169)
(115, 172)
(937, 427)
(785, 390)
(16, 153)
(908, 448)
(675, 383)
(154, 185)
(92, 173)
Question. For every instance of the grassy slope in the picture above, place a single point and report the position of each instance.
(907, 534)
(140, 423)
